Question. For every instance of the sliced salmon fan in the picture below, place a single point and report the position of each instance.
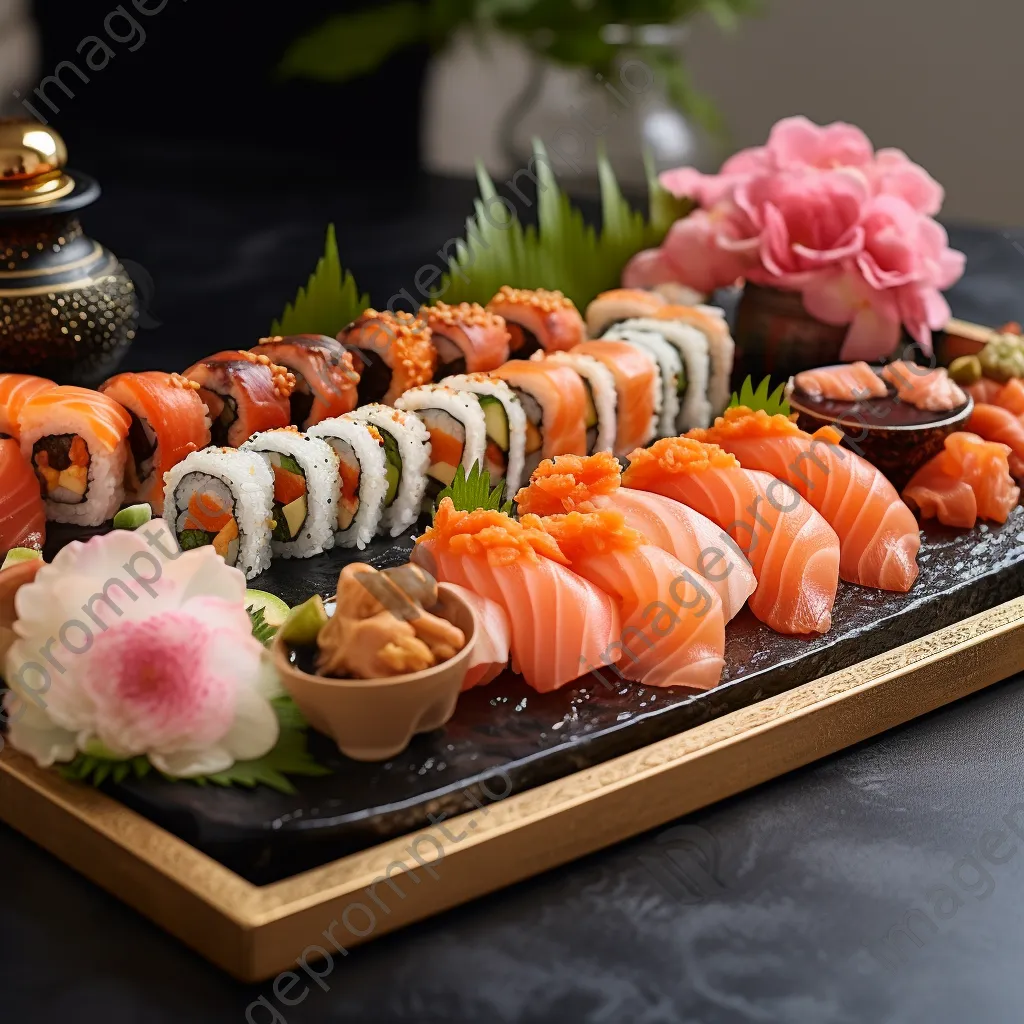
(673, 629)
(878, 534)
(573, 483)
(794, 553)
(562, 625)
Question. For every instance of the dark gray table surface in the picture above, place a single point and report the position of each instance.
(788, 903)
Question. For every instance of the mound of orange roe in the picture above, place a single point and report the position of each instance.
(742, 424)
(568, 483)
(488, 533)
(581, 534)
(675, 455)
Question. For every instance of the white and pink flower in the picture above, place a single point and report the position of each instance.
(126, 646)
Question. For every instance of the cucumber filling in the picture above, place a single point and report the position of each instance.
(290, 499)
(392, 467)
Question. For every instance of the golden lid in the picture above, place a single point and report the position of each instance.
(32, 161)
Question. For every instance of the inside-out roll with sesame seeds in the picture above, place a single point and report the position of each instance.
(468, 338)
(305, 473)
(457, 428)
(538, 319)
(671, 374)
(602, 404)
(169, 422)
(244, 393)
(391, 352)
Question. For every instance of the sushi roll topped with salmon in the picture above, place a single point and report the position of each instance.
(619, 304)
(538, 319)
(15, 390)
(468, 338)
(326, 382)
(391, 352)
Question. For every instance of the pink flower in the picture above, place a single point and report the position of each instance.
(798, 142)
(894, 174)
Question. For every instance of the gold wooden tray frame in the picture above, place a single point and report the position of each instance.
(254, 932)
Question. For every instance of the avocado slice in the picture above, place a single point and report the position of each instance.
(287, 462)
(295, 515)
(681, 384)
(495, 420)
(393, 469)
(443, 472)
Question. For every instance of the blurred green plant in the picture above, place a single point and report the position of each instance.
(568, 32)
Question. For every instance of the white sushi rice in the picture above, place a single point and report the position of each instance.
(104, 492)
(670, 366)
(250, 483)
(351, 439)
(478, 384)
(319, 463)
(460, 406)
(602, 388)
(695, 409)
(414, 450)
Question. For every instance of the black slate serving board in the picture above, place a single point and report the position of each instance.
(534, 738)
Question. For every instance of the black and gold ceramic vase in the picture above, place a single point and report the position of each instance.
(68, 308)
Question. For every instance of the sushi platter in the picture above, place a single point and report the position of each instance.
(463, 592)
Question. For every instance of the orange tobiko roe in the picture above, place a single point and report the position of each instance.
(582, 534)
(673, 456)
(568, 483)
(498, 537)
(742, 423)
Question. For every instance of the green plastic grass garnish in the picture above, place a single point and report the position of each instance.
(261, 629)
(330, 300)
(474, 491)
(774, 402)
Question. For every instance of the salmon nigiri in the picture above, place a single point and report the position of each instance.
(15, 390)
(793, 551)
(570, 483)
(984, 390)
(994, 423)
(969, 479)
(878, 534)
(22, 515)
(562, 626)
(673, 630)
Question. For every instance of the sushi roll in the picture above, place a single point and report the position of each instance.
(76, 441)
(168, 422)
(710, 321)
(305, 488)
(391, 352)
(15, 390)
(554, 399)
(637, 391)
(468, 338)
(223, 497)
(326, 383)
(693, 348)
(612, 307)
(538, 319)
(671, 376)
(407, 455)
(505, 423)
(362, 480)
(600, 394)
(244, 393)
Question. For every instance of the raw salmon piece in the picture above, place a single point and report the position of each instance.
(22, 515)
(493, 638)
(794, 553)
(15, 390)
(562, 626)
(109, 421)
(968, 480)
(984, 390)
(560, 399)
(878, 534)
(852, 382)
(994, 423)
(933, 390)
(1011, 397)
(673, 629)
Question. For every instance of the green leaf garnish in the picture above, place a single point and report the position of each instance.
(330, 300)
(261, 629)
(773, 403)
(474, 491)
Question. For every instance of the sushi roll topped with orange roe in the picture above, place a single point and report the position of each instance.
(468, 338)
(391, 352)
(538, 319)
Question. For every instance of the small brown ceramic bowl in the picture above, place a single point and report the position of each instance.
(893, 436)
(375, 719)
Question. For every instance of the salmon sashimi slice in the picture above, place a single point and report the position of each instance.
(968, 480)
(994, 423)
(1011, 397)
(22, 514)
(570, 483)
(984, 390)
(108, 420)
(673, 629)
(562, 626)
(168, 422)
(555, 403)
(794, 553)
(852, 382)
(930, 389)
(493, 639)
(878, 534)
(637, 390)
(15, 390)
